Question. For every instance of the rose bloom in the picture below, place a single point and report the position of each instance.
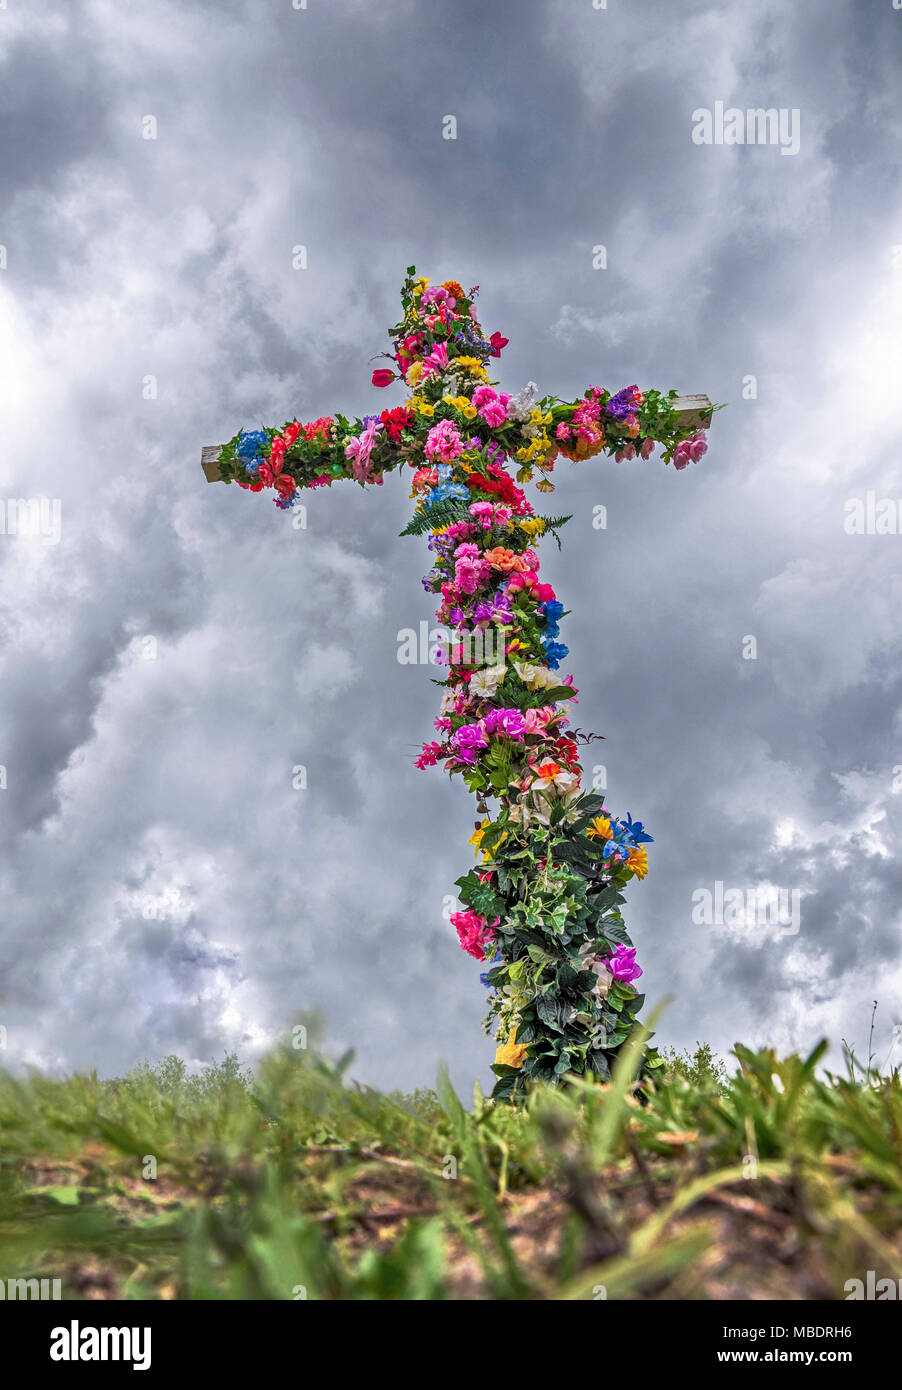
(505, 560)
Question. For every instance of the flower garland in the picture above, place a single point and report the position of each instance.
(541, 907)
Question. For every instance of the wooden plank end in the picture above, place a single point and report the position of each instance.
(209, 462)
(694, 411)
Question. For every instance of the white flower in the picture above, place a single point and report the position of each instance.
(485, 682)
(604, 981)
(536, 677)
(520, 405)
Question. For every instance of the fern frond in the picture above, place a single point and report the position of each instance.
(440, 514)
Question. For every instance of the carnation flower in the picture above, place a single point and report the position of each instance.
(474, 932)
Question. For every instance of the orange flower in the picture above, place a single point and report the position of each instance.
(505, 560)
(454, 288)
(511, 1053)
(637, 860)
(600, 829)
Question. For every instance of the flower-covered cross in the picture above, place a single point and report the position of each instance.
(541, 908)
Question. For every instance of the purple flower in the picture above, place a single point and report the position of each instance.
(467, 739)
(622, 964)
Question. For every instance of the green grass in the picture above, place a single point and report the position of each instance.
(775, 1181)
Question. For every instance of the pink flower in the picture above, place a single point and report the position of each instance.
(438, 295)
(491, 406)
(470, 573)
(474, 932)
(429, 756)
(359, 448)
(647, 448)
(690, 450)
(443, 442)
(383, 377)
(437, 360)
(498, 343)
(535, 720)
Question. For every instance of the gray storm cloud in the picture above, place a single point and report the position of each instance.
(181, 651)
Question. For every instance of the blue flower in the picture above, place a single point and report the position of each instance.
(634, 832)
(444, 491)
(554, 653)
(553, 609)
(251, 444)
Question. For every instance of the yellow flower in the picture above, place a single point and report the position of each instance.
(414, 372)
(511, 1053)
(532, 525)
(637, 860)
(600, 829)
(476, 837)
(419, 286)
(471, 365)
(424, 408)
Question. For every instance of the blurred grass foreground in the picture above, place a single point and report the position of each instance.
(777, 1181)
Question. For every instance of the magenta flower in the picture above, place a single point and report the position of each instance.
(509, 722)
(473, 932)
(622, 964)
(437, 360)
(429, 756)
(468, 739)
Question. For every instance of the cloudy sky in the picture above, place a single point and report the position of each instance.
(172, 650)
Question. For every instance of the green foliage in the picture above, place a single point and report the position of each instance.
(296, 1183)
(702, 1068)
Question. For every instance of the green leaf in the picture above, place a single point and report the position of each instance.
(66, 1196)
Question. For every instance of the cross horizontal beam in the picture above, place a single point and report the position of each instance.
(694, 413)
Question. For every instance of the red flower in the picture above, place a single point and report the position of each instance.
(383, 377)
(498, 343)
(319, 430)
(397, 420)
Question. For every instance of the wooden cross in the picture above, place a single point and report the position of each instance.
(542, 909)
